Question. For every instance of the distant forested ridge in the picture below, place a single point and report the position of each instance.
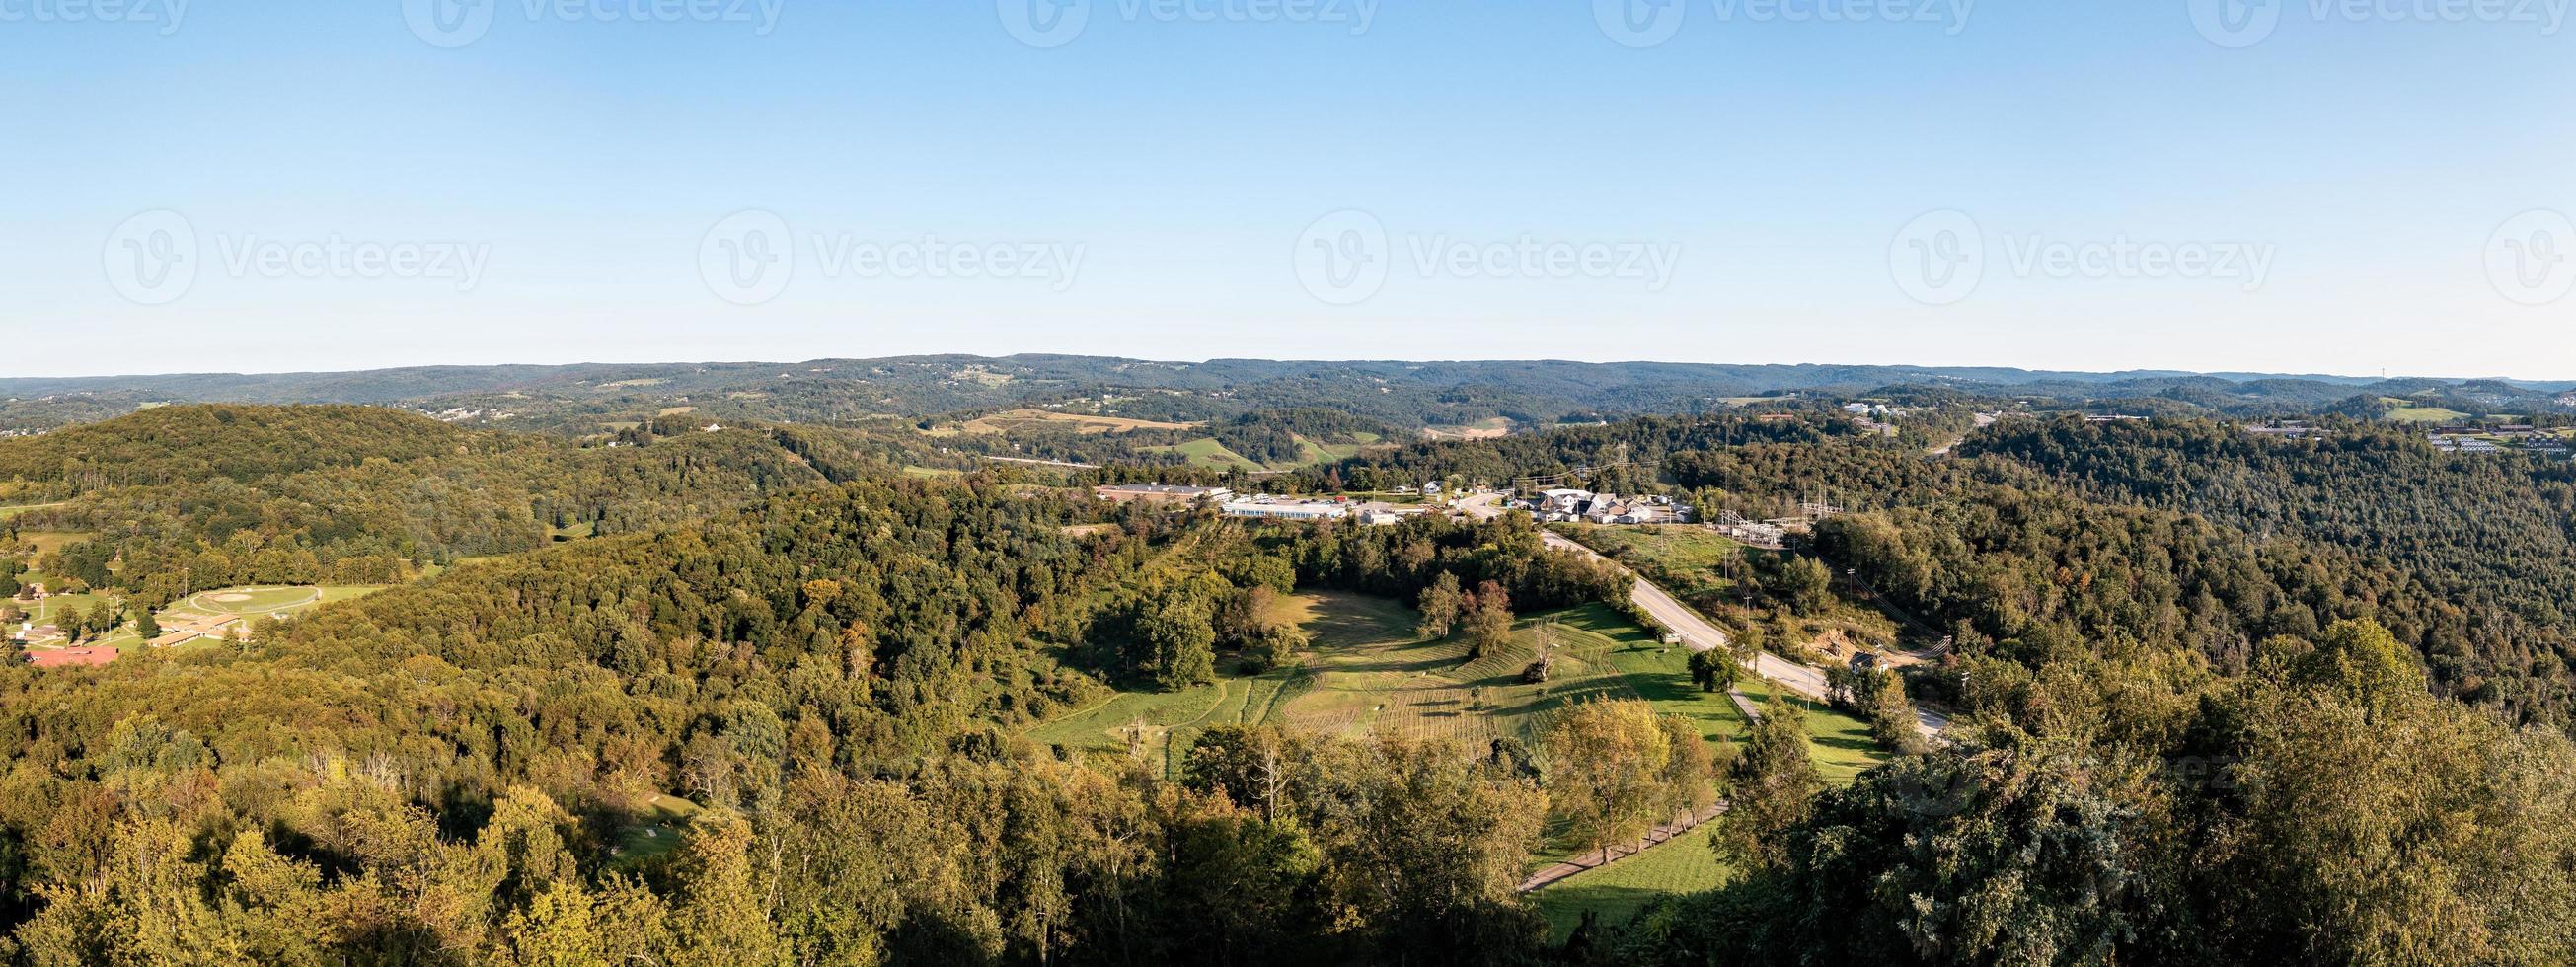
(1408, 395)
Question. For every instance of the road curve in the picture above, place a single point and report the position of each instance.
(1696, 632)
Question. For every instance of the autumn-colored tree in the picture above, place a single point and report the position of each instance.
(1770, 788)
(1607, 765)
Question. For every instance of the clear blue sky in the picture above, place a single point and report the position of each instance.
(1162, 167)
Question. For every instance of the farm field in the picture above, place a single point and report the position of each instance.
(50, 541)
(1619, 890)
(208, 609)
(1207, 452)
(1366, 673)
(1085, 423)
(2426, 414)
(1487, 429)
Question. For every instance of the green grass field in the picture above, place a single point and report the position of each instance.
(653, 833)
(1684, 559)
(1207, 452)
(251, 601)
(2426, 414)
(1619, 890)
(1841, 743)
(1366, 673)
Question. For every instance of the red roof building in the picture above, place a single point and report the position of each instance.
(67, 657)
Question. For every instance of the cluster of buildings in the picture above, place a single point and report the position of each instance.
(2498, 439)
(2287, 430)
(1260, 506)
(1570, 505)
(1879, 418)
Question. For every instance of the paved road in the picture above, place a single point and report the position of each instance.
(1697, 632)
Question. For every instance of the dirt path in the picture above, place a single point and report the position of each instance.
(1592, 861)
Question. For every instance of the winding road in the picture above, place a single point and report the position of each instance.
(1696, 632)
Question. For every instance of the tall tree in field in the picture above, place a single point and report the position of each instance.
(1771, 787)
(1607, 763)
(1440, 603)
(1689, 780)
(1182, 638)
(1489, 620)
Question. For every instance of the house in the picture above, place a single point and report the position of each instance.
(1563, 503)
(1160, 494)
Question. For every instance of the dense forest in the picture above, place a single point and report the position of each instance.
(760, 695)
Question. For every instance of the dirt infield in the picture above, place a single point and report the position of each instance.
(253, 601)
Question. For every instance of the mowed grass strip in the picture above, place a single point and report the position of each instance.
(1618, 891)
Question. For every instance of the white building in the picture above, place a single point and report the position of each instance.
(1286, 510)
